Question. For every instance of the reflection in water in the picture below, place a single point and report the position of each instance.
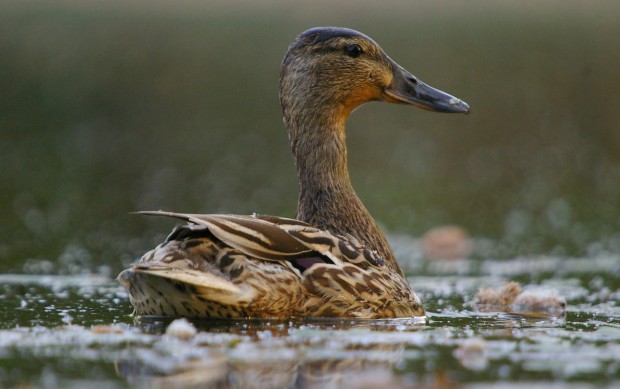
(325, 353)
(278, 355)
(292, 373)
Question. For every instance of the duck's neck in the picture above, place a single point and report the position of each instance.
(319, 148)
(326, 197)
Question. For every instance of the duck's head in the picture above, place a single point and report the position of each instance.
(341, 69)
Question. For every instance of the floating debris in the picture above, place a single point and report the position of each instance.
(503, 296)
(539, 302)
(511, 298)
(181, 329)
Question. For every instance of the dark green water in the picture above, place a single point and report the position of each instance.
(114, 108)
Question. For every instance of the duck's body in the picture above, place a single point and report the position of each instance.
(264, 266)
(334, 260)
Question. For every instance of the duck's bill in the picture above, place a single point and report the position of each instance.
(407, 89)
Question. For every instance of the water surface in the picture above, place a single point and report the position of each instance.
(79, 329)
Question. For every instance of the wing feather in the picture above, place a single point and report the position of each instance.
(255, 237)
(276, 238)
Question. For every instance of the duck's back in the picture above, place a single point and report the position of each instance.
(231, 266)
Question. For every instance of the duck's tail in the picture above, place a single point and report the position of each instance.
(161, 290)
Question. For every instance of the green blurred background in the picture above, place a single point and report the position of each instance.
(112, 107)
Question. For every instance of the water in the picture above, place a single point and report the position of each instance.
(112, 108)
(79, 329)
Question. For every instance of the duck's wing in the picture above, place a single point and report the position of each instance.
(347, 248)
(277, 239)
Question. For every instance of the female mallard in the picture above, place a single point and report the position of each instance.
(332, 261)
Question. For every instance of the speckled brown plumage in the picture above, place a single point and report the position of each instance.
(334, 260)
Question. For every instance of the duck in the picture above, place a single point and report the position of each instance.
(332, 259)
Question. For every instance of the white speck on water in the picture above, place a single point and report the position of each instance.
(66, 317)
(181, 329)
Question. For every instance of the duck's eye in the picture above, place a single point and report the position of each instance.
(353, 50)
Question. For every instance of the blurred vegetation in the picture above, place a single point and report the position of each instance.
(111, 107)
